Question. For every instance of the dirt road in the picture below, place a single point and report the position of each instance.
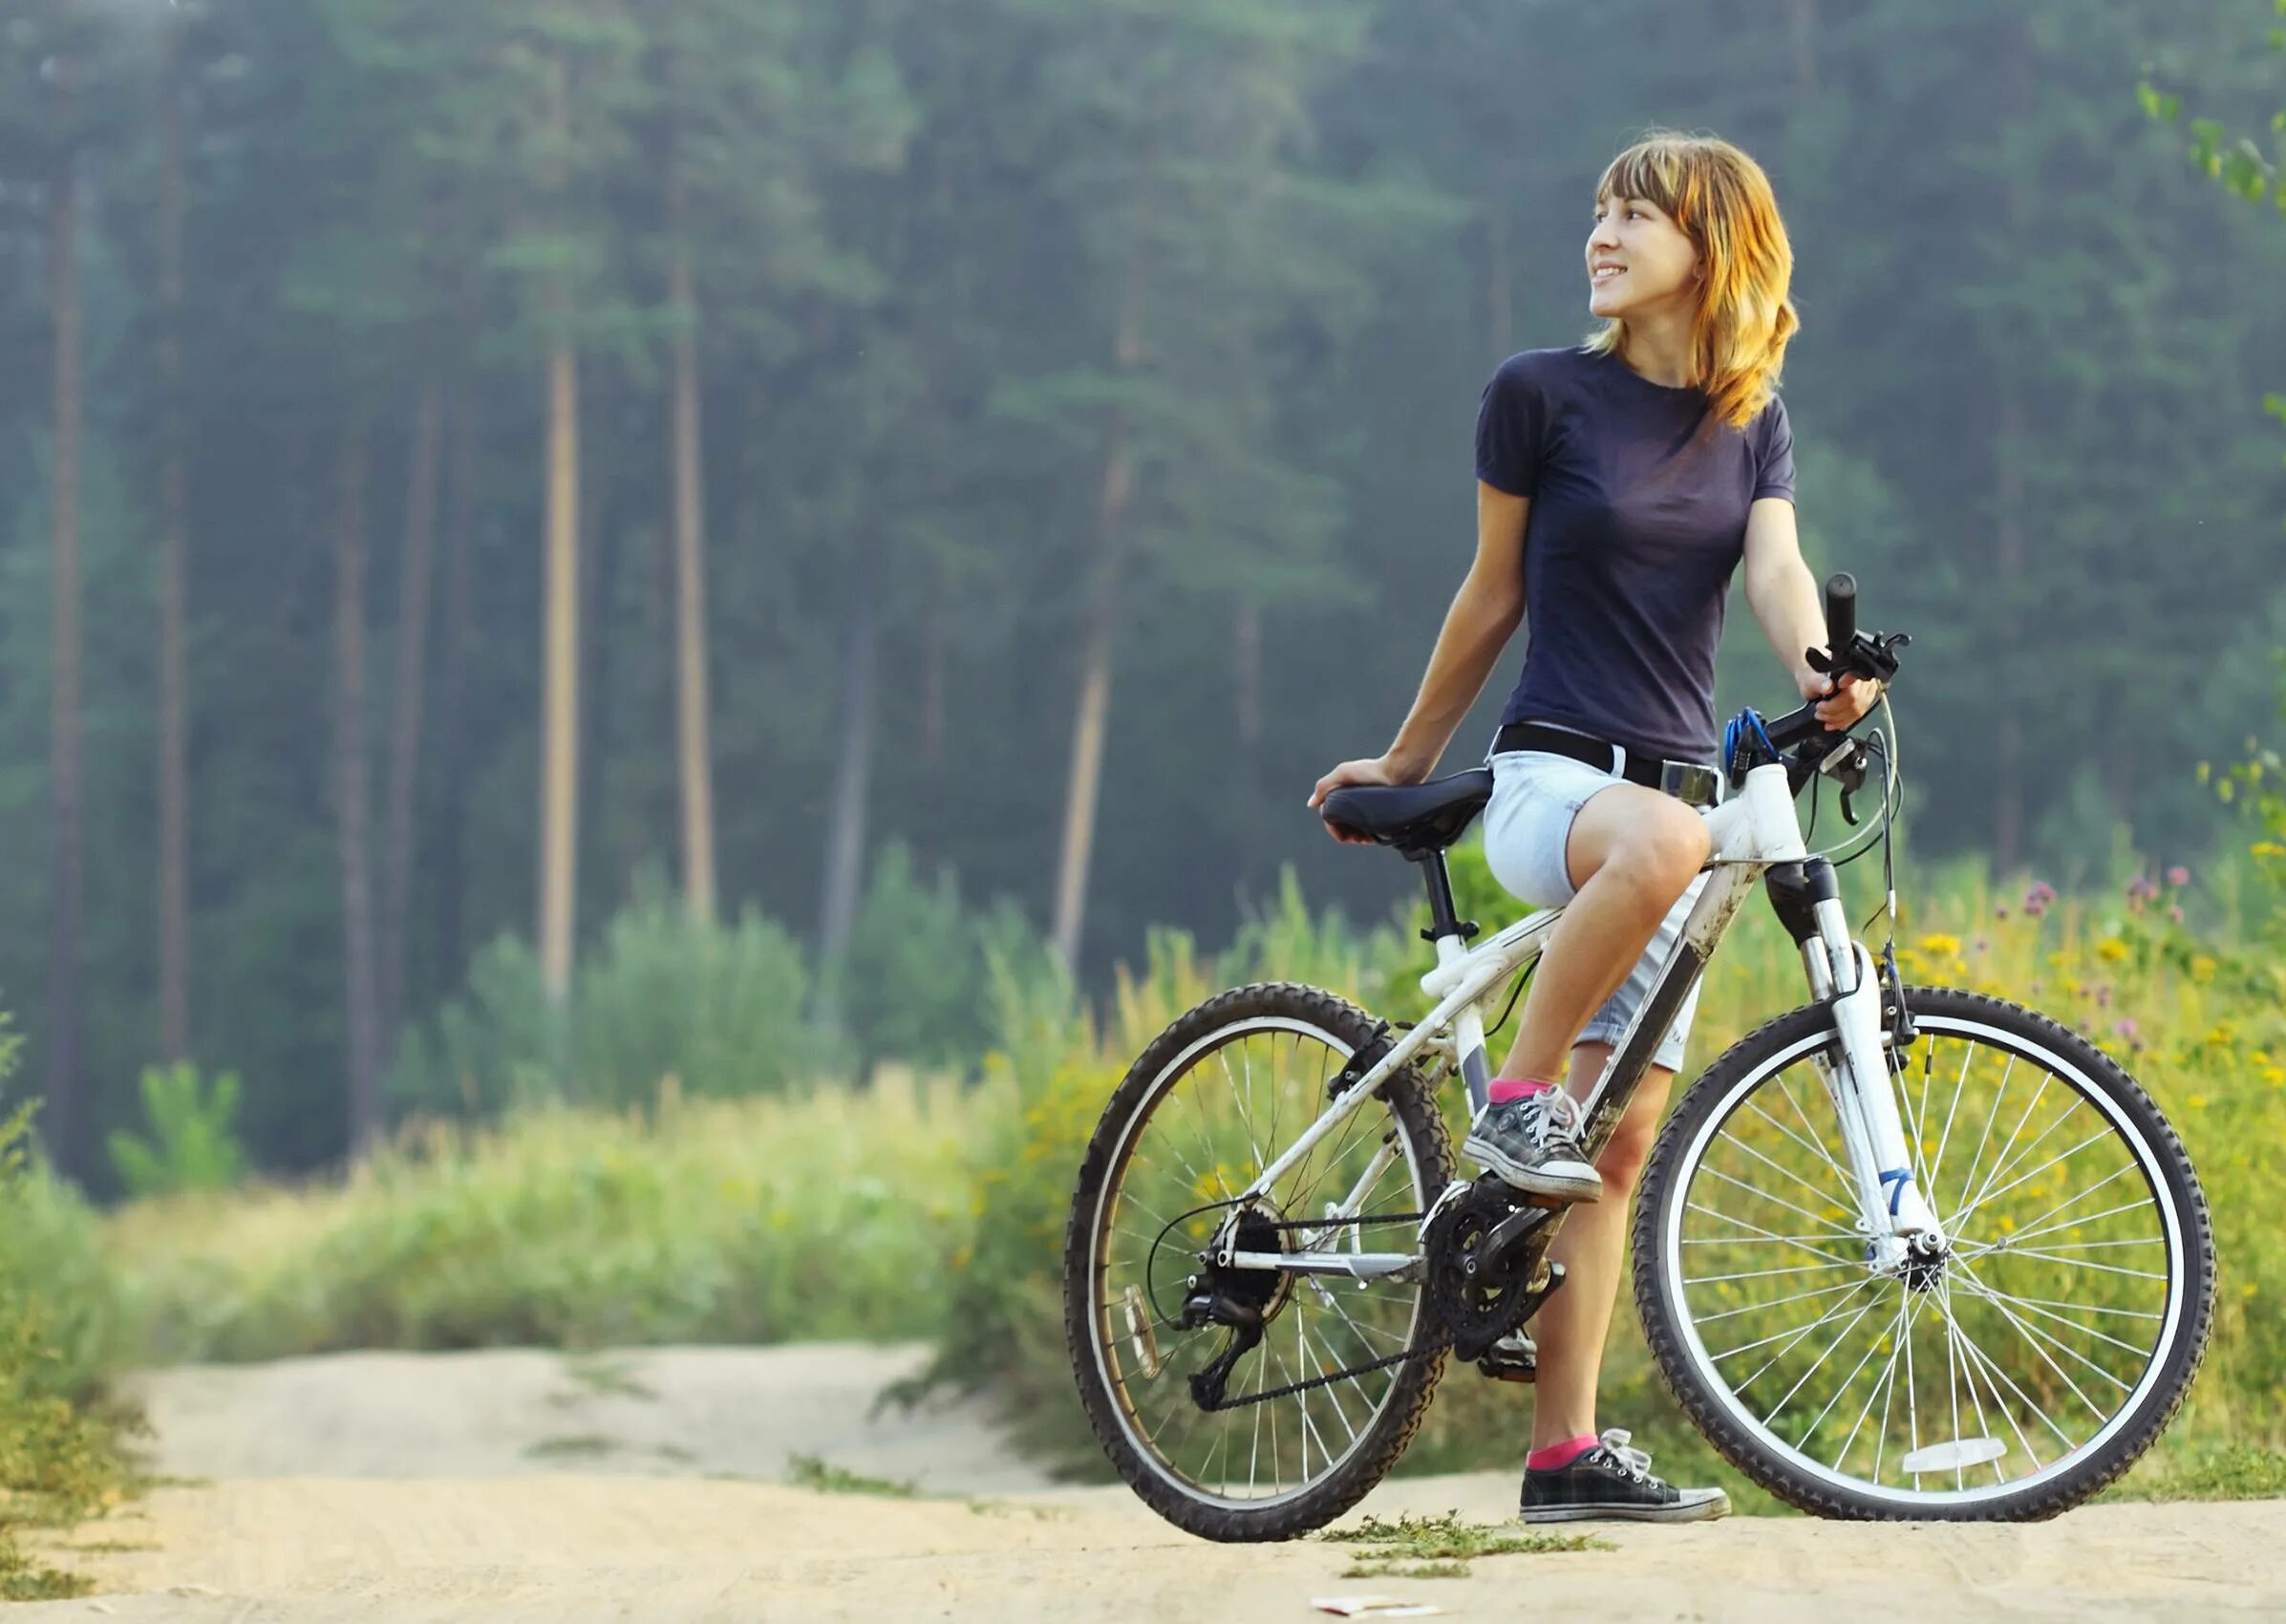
(411, 1489)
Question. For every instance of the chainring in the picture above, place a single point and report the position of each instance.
(1481, 1295)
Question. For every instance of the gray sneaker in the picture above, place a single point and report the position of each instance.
(1533, 1145)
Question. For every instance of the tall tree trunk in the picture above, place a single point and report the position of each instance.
(1803, 30)
(560, 708)
(693, 750)
(65, 856)
(559, 679)
(601, 533)
(350, 806)
(452, 766)
(845, 830)
(1246, 648)
(1093, 710)
(2009, 515)
(1500, 272)
(2008, 785)
(1244, 810)
(174, 548)
(932, 682)
(411, 670)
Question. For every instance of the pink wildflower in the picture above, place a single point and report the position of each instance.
(2178, 875)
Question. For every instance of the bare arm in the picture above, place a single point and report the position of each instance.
(1484, 614)
(1779, 588)
(1784, 595)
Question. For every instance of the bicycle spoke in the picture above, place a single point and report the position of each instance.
(1936, 1163)
(1776, 1302)
(1826, 1318)
(1838, 1171)
(2033, 1305)
(1768, 1235)
(2067, 1262)
(1765, 1195)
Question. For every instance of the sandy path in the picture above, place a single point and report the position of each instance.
(502, 1412)
(635, 1536)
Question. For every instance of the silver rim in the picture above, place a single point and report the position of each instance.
(2042, 1337)
(1208, 1124)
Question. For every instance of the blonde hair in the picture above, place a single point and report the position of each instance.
(1722, 202)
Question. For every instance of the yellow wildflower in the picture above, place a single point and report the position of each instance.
(2202, 968)
(2112, 949)
(1940, 946)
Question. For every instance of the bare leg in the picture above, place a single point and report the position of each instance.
(1571, 1328)
(1631, 853)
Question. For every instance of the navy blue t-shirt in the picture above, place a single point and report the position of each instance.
(1638, 516)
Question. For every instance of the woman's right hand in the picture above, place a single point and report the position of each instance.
(1377, 770)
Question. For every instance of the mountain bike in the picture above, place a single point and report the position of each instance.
(1904, 1251)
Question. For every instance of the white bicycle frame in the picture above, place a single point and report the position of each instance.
(1751, 832)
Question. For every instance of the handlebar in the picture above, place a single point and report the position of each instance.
(1798, 738)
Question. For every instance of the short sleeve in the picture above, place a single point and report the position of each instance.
(1774, 474)
(1510, 419)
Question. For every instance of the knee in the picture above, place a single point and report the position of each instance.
(1667, 853)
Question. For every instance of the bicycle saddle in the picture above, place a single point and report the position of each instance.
(1415, 818)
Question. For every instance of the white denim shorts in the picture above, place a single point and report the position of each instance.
(1527, 825)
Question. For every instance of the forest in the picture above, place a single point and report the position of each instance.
(543, 535)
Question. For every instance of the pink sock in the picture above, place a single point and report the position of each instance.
(1559, 1454)
(1507, 1088)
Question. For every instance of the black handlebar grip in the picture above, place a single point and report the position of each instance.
(1841, 613)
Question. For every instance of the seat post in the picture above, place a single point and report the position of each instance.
(1443, 919)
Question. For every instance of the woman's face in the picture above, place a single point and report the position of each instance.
(1638, 259)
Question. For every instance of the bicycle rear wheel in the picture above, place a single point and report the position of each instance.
(2009, 1379)
(1209, 1103)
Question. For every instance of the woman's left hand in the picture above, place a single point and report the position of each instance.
(1839, 709)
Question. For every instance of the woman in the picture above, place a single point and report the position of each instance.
(1619, 483)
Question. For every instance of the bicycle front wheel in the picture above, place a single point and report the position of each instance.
(1294, 1438)
(2009, 1379)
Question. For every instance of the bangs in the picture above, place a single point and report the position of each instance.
(1651, 171)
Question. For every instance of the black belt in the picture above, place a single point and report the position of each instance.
(1693, 782)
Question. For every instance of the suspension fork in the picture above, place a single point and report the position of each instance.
(1893, 1211)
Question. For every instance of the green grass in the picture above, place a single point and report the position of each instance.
(813, 1472)
(814, 1215)
(603, 1376)
(1441, 1547)
(584, 1445)
(2233, 1471)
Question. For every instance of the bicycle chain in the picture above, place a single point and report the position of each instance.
(1419, 1350)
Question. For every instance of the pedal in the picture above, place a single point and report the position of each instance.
(1514, 1358)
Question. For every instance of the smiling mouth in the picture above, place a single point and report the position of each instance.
(1607, 272)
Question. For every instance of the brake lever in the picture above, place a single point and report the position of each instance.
(1846, 767)
(1868, 654)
